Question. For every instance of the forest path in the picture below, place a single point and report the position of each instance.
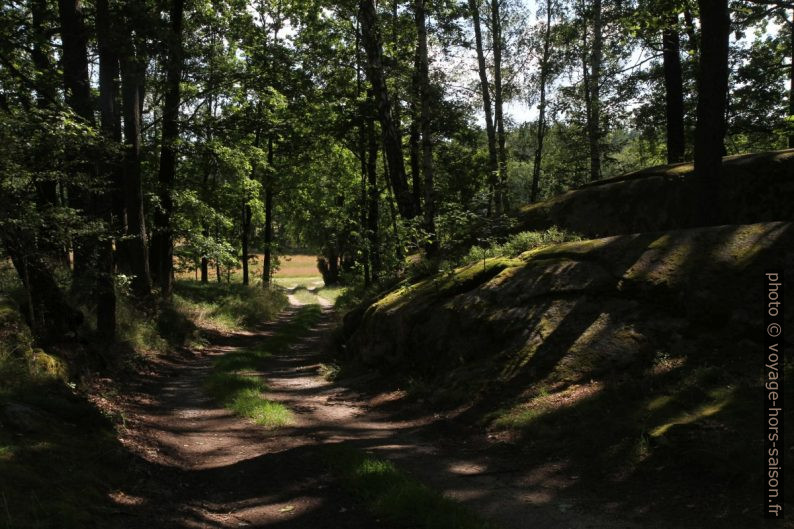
(207, 468)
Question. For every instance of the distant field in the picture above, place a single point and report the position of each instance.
(302, 266)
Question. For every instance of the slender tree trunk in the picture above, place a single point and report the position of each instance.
(426, 125)
(594, 89)
(485, 89)
(246, 225)
(496, 32)
(162, 238)
(136, 252)
(791, 80)
(363, 116)
(392, 143)
(712, 100)
(414, 136)
(544, 73)
(374, 199)
(674, 92)
(45, 91)
(267, 270)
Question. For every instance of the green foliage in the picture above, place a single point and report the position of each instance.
(519, 243)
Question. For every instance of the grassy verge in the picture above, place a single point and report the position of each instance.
(395, 496)
(235, 382)
(226, 306)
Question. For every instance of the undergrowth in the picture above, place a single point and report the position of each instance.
(519, 243)
(228, 306)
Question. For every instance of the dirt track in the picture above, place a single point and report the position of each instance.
(206, 468)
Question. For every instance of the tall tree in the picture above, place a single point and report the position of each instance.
(544, 75)
(426, 124)
(392, 142)
(111, 129)
(592, 64)
(485, 90)
(501, 198)
(162, 238)
(712, 100)
(674, 90)
(135, 257)
(93, 254)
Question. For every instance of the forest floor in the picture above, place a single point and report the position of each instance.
(201, 466)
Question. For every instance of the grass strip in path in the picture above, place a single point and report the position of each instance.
(395, 496)
(235, 382)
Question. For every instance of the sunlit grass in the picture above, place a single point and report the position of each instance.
(243, 395)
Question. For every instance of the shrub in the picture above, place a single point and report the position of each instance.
(519, 243)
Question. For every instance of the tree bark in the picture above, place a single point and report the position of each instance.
(544, 73)
(392, 143)
(267, 270)
(111, 130)
(414, 136)
(493, 163)
(246, 225)
(496, 33)
(374, 199)
(594, 91)
(162, 238)
(791, 80)
(674, 92)
(712, 101)
(74, 61)
(426, 126)
(136, 251)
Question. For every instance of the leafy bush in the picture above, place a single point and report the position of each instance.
(519, 243)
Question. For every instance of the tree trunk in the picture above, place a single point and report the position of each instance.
(162, 238)
(46, 98)
(426, 126)
(712, 100)
(501, 198)
(674, 92)
(74, 61)
(791, 81)
(414, 136)
(544, 73)
(392, 143)
(111, 129)
(594, 91)
(267, 271)
(246, 226)
(493, 163)
(136, 252)
(374, 198)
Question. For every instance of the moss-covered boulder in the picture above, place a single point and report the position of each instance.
(755, 188)
(571, 311)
